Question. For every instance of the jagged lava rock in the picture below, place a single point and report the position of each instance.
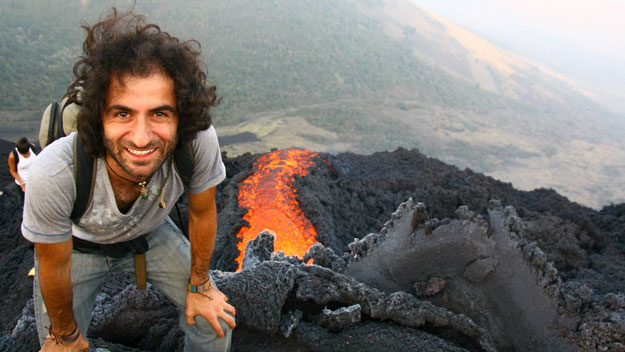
(349, 196)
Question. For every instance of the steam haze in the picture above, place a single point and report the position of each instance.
(581, 39)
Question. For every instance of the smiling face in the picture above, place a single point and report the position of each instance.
(139, 123)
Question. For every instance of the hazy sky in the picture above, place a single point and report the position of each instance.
(585, 38)
(598, 25)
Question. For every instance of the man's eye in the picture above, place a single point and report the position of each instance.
(122, 114)
(160, 114)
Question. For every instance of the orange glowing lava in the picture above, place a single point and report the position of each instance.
(269, 196)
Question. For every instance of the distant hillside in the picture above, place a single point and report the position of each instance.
(352, 75)
(264, 55)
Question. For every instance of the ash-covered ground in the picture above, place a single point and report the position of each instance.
(415, 255)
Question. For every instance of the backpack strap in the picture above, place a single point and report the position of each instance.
(84, 174)
(52, 121)
(55, 126)
(60, 132)
(183, 162)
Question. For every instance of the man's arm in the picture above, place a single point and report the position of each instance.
(202, 232)
(56, 290)
(56, 284)
(13, 170)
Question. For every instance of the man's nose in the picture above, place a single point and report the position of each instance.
(141, 134)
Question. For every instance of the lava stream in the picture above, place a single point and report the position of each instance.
(269, 196)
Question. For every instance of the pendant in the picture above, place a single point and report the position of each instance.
(144, 190)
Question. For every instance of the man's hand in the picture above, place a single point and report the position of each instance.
(211, 305)
(50, 345)
(23, 186)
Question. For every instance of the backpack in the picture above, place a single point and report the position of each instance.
(60, 119)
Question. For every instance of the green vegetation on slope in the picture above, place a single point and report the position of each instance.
(262, 55)
(327, 74)
(38, 47)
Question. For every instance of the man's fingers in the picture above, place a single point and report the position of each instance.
(215, 324)
(212, 307)
(190, 318)
(229, 319)
(230, 309)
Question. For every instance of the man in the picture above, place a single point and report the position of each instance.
(142, 93)
(20, 167)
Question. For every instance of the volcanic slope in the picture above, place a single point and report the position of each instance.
(355, 75)
(349, 196)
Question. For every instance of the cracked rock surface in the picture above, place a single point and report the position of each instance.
(414, 254)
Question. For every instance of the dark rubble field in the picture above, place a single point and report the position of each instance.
(414, 254)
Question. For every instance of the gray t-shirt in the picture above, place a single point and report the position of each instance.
(51, 193)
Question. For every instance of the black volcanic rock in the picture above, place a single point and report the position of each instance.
(348, 196)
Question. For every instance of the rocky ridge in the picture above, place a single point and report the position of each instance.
(447, 262)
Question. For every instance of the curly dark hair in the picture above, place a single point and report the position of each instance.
(122, 44)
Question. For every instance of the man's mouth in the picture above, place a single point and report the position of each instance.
(140, 152)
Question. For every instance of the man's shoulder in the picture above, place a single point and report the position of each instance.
(56, 157)
(207, 136)
(208, 168)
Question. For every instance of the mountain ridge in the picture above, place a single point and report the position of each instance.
(349, 76)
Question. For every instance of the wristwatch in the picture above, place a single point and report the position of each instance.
(200, 288)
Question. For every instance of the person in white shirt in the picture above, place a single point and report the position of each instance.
(20, 161)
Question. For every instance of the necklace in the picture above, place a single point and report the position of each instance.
(162, 204)
(143, 184)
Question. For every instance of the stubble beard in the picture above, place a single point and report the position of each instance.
(117, 150)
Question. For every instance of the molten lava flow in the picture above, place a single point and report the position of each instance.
(269, 196)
